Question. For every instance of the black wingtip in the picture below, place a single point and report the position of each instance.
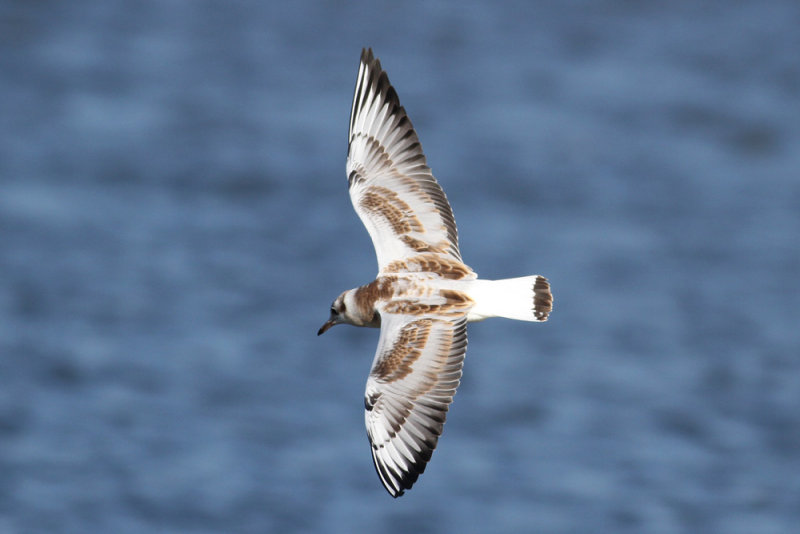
(397, 482)
(367, 55)
(368, 58)
(380, 81)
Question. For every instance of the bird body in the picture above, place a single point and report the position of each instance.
(424, 295)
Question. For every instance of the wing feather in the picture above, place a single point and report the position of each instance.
(415, 373)
(392, 188)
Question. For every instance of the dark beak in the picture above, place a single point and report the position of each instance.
(325, 327)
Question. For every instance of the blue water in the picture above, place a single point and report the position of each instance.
(174, 223)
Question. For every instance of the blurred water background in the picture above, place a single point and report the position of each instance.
(174, 223)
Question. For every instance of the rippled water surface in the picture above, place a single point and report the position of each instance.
(174, 223)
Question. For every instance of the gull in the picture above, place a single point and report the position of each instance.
(424, 295)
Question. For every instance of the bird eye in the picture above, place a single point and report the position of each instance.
(333, 311)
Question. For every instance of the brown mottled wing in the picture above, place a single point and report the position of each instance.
(391, 186)
(414, 376)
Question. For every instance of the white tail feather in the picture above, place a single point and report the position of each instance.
(525, 299)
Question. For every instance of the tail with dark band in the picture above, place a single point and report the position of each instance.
(525, 299)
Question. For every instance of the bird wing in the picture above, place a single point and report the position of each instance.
(415, 373)
(391, 186)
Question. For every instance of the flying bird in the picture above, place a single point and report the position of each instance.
(424, 295)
